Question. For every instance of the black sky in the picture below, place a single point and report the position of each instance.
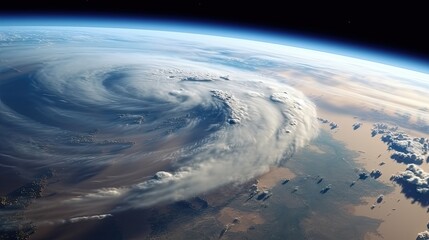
(395, 27)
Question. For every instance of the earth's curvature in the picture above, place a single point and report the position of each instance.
(98, 122)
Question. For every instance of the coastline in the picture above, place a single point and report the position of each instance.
(395, 207)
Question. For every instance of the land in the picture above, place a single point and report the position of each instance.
(374, 154)
(395, 207)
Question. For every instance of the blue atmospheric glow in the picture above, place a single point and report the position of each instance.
(232, 31)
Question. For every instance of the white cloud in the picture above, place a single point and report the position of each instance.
(414, 177)
(407, 157)
(406, 149)
(423, 235)
(380, 198)
(375, 173)
(268, 134)
(356, 125)
(98, 194)
(87, 218)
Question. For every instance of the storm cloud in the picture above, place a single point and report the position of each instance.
(134, 128)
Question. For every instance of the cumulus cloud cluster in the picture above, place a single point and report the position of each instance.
(407, 157)
(406, 149)
(375, 173)
(423, 235)
(332, 125)
(414, 178)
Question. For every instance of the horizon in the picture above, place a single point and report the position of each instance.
(235, 31)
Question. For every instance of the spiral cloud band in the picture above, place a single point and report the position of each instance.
(137, 118)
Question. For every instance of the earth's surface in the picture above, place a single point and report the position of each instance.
(139, 134)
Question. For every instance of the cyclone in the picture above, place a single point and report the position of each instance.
(135, 120)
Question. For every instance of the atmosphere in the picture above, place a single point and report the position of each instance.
(286, 36)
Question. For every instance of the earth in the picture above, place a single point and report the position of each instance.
(115, 133)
